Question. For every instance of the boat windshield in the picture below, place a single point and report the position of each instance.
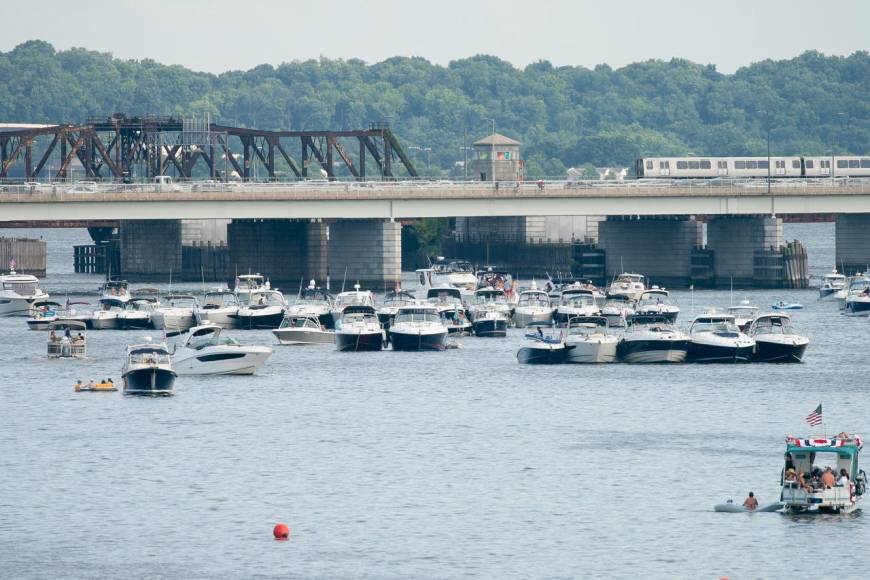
(772, 326)
(399, 299)
(21, 287)
(200, 342)
(417, 316)
(535, 299)
(356, 318)
(180, 302)
(313, 296)
(577, 300)
(220, 299)
(354, 298)
(585, 329)
(490, 297)
(300, 323)
(140, 305)
(717, 326)
(266, 299)
(651, 298)
(453, 267)
(149, 357)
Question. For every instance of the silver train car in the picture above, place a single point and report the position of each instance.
(750, 167)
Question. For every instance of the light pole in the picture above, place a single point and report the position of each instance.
(492, 152)
(465, 150)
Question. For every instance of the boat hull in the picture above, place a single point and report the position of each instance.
(653, 351)
(583, 352)
(223, 361)
(490, 327)
(135, 323)
(523, 318)
(546, 355)
(716, 353)
(859, 307)
(407, 341)
(104, 323)
(299, 336)
(225, 318)
(260, 321)
(359, 341)
(778, 352)
(149, 382)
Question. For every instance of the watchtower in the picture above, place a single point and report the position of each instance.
(497, 158)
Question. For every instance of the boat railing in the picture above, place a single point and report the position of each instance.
(793, 493)
(67, 349)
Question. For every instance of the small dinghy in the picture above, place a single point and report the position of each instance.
(787, 306)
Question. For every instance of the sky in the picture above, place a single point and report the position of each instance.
(221, 35)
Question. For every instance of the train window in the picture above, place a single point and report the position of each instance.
(739, 165)
(762, 164)
(751, 165)
(705, 164)
(682, 164)
(795, 163)
(722, 164)
(808, 163)
(854, 164)
(649, 164)
(842, 164)
(693, 165)
(664, 164)
(865, 164)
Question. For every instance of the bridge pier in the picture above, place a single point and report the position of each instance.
(658, 248)
(150, 249)
(853, 243)
(369, 250)
(286, 251)
(736, 241)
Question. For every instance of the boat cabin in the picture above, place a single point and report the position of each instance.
(803, 486)
(262, 298)
(655, 296)
(721, 324)
(771, 324)
(398, 298)
(148, 355)
(576, 297)
(534, 298)
(219, 298)
(419, 313)
(309, 322)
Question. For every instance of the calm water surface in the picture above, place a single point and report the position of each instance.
(461, 464)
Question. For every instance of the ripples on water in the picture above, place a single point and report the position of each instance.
(423, 465)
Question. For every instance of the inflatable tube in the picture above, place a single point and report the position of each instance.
(734, 508)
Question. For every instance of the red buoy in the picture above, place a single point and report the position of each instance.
(281, 532)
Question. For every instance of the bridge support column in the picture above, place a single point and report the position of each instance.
(285, 251)
(853, 243)
(370, 251)
(736, 241)
(658, 248)
(150, 249)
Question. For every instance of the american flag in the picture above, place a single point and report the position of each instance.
(815, 418)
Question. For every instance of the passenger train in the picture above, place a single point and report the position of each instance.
(750, 167)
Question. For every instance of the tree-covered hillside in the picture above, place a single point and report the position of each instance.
(563, 115)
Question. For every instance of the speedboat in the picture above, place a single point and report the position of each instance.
(657, 301)
(303, 330)
(533, 306)
(574, 302)
(72, 343)
(393, 301)
(803, 490)
(715, 338)
(860, 281)
(175, 313)
(115, 290)
(629, 285)
(265, 309)
(617, 308)
(454, 272)
(500, 280)
(247, 283)
(857, 302)
(831, 284)
(355, 297)
(137, 314)
(18, 293)
(490, 312)
(652, 338)
(775, 341)
(106, 318)
(541, 349)
(448, 301)
(219, 306)
(587, 341)
(44, 312)
(313, 301)
(743, 314)
(358, 329)
(418, 327)
(148, 370)
(207, 351)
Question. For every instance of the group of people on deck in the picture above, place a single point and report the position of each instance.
(78, 339)
(818, 478)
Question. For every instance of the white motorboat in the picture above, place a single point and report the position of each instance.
(137, 314)
(775, 340)
(18, 293)
(66, 339)
(652, 338)
(175, 313)
(219, 306)
(207, 351)
(106, 318)
(715, 338)
(532, 307)
(448, 301)
(303, 330)
(617, 309)
(148, 370)
(454, 272)
(490, 313)
(247, 283)
(265, 309)
(831, 284)
(743, 314)
(857, 301)
(658, 301)
(313, 301)
(418, 327)
(575, 301)
(539, 348)
(44, 312)
(588, 341)
(358, 329)
(629, 285)
(355, 297)
(500, 280)
(393, 301)
(118, 290)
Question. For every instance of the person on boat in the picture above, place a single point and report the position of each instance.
(790, 475)
(79, 385)
(828, 479)
(750, 502)
(52, 337)
(802, 481)
(540, 332)
(844, 478)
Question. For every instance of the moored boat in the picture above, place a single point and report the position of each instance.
(806, 488)
(265, 309)
(539, 348)
(148, 370)
(652, 338)
(66, 339)
(658, 301)
(418, 327)
(588, 341)
(208, 351)
(831, 284)
(775, 340)
(358, 329)
(533, 307)
(629, 285)
(715, 338)
(18, 293)
(298, 329)
(744, 313)
(219, 306)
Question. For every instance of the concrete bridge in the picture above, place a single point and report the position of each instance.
(306, 229)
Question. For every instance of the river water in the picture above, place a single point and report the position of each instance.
(461, 464)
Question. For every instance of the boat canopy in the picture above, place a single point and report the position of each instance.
(67, 325)
(112, 302)
(444, 291)
(844, 447)
(641, 319)
(148, 349)
(358, 309)
(316, 294)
